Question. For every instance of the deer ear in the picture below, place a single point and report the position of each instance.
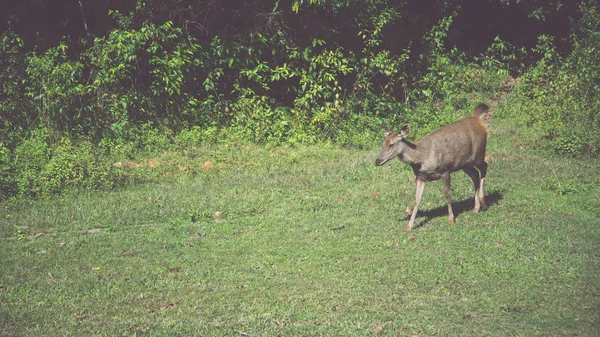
(386, 130)
(405, 131)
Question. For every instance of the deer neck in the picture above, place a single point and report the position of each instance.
(412, 153)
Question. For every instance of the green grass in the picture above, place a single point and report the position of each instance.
(132, 262)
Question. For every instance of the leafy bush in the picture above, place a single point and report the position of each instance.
(197, 136)
(76, 166)
(39, 170)
(29, 159)
(559, 94)
(7, 178)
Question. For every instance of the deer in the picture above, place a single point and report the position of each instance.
(456, 146)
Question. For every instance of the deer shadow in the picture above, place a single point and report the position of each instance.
(457, 208)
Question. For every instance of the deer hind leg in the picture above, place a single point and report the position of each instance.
(419, 195)
(479, 194)
(446, 179)
(474, 174)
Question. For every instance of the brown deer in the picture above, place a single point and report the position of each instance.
(456, 146)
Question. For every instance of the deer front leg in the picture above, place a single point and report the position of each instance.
(419, 195)
(446, 179)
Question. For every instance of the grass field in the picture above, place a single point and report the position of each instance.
(310, 241)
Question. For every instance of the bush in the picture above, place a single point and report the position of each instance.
(559, 95)
(77, 166)
(29, 159)
(41, 170)
(7, 178)
(196, 136)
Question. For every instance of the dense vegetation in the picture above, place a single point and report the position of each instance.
(87, 85)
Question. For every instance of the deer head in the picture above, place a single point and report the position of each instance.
(392, 145)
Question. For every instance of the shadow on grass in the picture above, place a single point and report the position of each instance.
(457, 208)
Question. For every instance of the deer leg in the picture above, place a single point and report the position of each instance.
(446, 179)
(419, 195)
(474, 174)
(483, 170)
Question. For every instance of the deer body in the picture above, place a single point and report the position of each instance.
(456, 146)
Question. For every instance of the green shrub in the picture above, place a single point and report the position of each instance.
(196, 136)
(77, 166)
(29, 159)
(40, 170)
(7, 177)
(559, 95)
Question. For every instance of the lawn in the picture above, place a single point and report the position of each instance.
(310, 241)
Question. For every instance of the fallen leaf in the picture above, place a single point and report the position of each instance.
(95, 268)
(62, 243)
(378, 329)
(217, 213)
(152, 163)
(35, 235)
(208, 165)
(557, 261)
(169, 305)
(374, 195)
(174, 270)
(412, 237)
(181, 167)
(408, 211)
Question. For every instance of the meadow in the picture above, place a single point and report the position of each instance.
(310, 241)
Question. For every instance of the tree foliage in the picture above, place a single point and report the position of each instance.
(283, 71)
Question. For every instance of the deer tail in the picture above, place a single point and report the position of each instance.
(480, 110)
